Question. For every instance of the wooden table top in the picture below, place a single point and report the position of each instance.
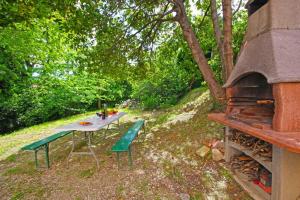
(97, 123)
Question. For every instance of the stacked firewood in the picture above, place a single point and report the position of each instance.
(246, 165)
(257, 146)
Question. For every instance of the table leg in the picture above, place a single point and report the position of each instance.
(85, 135)
(73, 146)
(106, 131)
(91, 150)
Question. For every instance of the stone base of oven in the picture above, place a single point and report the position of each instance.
(286, 175)
(285, 169)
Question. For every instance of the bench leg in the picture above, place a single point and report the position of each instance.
(118, 159)
(144, 127)
(129, 157)
(36, 159)
(47, 155)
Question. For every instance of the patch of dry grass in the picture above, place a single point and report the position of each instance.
(176, 170)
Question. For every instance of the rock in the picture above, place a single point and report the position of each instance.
(189, 143)
(203, 151)
(129, 103)
(218, 144)
(154, 129)
(193, 163)
(184, 196)
(140, 172)
(149, 136)
(183, 117)
(217, 155)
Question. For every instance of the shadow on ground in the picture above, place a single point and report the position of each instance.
(165, 165)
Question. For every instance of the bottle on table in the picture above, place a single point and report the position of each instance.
(104, 113)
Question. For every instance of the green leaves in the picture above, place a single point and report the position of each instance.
(58, 58)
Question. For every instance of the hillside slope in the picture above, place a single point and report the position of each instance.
(166, 165)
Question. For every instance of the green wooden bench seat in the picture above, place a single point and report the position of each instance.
(36, 146)
(124, 143)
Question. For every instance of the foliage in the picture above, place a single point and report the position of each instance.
(163, 92)
(41, 79)
(59, 58)
(168, 79)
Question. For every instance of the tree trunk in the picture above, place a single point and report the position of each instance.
(191, 82)
(228, 52)
(197, 52)
(218, 35)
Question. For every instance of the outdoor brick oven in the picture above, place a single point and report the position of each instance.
(263, 102)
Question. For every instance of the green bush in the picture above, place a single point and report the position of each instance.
(160, 90)
(53, 98)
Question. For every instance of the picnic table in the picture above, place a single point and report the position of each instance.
(97, 123)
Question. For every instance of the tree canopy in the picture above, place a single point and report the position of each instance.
(59, 58)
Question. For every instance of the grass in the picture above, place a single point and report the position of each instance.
(162, 118)
(28, 191)
(133, 112)
(173, 172)
(108, 152)
(18, 170)
(119, 190)
(24, 182)
(88, 173)
(17, 195)
(197, 196)
(11, 143)
(192, 95)
(12, 158)
(226, 174)
(143, 186)
(207, 179)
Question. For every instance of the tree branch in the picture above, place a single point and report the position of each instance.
(238, 8)
(205, 14)
(216, 26)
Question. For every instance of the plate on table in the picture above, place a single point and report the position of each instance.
(85, 123)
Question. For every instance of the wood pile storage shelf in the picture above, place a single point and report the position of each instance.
(287, 140)
(243, 155)
(266, 164)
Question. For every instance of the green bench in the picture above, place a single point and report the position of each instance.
(124, 143)
(36, 146)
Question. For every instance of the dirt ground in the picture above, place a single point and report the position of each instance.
(165, 163)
